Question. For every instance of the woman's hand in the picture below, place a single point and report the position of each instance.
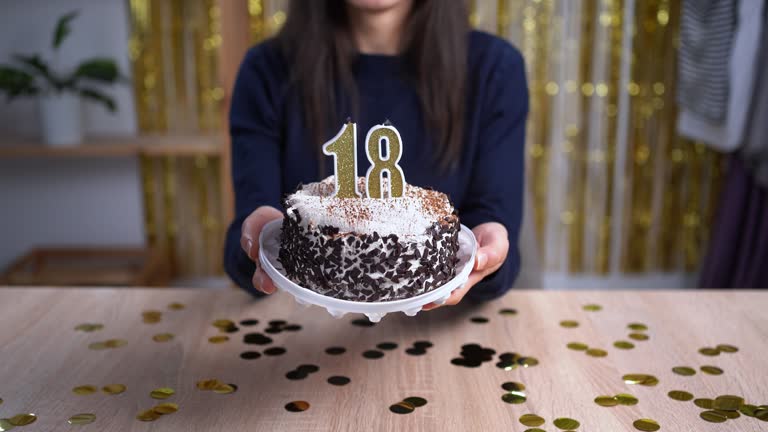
(492, 248)
(249, 241)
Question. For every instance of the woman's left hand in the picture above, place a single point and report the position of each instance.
(492, 248)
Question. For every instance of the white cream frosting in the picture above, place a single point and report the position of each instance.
(407, 217)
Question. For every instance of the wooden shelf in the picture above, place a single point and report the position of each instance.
(126, 146)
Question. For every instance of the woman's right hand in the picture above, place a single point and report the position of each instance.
(249, 241)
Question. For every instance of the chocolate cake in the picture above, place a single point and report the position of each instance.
(365, 249)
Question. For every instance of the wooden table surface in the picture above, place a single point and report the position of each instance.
(42, 358)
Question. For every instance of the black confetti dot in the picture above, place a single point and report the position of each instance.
(479, 320)
(276, 323)
(274, 351)
(415, 351)
(250, 355)
(423, 344)
(257, 339)
(231, 329)
(296, 375)
(402, 408)
(292, 327)
(249, 322)
(273, 330)
(297, 406)
(373, 354)
(335, 350)
(387, 346)
(416, 401)
(308, 368)
(338, 380)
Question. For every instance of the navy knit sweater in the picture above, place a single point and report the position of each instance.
(272, 150)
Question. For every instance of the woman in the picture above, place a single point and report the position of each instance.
(458, 98)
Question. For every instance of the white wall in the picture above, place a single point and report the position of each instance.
(67, 201)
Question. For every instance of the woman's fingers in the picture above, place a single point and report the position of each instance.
(251, 229)
(262, 282)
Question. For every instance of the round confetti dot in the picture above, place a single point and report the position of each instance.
(416, 401)
(512, 386)
(249, 322)
(84, 390)
(592, 307)
(684, 370)
(569, 324)
(415, 351)
(162, 393)
(623, 345)
(639, 336)
(513, 397)
(626, 399)
(423, 344)
(387, 346)
(250, 355)
(256, 339)
(147, 416)
(479, 320)
(707, 351)
(606, 401)
(274, 351)
(277, 323)
(711, 370)
(727, 348)
(646, 425)
(637, 326)
(641, 379)
(78, 419)
(373, 354)
(335, 350)
(680, 395)
(566, 423)
(176, 306)
(114, 389)
(596, 352)
(713, 416)
(402, 408)
(222, 388)
(338, 380)
(508, 312)
(728, 403)
(531, 420)
(23, 419)
(162, 337)
(704, 403)
(534, 430)
(218, 339)
(292, 328)
(295, 375)
(165, 408)
(577, 346)
(207, 384)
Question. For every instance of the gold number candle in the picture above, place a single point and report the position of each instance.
(393, 143)
(343, 148)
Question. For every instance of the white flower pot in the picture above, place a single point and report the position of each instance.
(61, 118)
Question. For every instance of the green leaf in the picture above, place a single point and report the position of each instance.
(16, 82)
(98, 69)
(62, 29)
(35, 64)
(99, 97)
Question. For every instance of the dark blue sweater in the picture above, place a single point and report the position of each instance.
(271, 151)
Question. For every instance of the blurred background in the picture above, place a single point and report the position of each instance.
(620, 195)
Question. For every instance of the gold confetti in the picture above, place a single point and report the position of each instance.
(569, 324)
(299, 406)
(222, 388)
(528, 361)
(729, 414)
(81, 419)
(163, 337)
(98, 346)
(577, 346)
(84, 390)
(207, 384)
(114, 389)
(566, 423)
(176, 306)
(623, 345)
(680, 395)
(639, 336)
(218, 339)
(5, 425)
(89, 327)
(508, 312)
(713, 416)
(531, 420)
(762, 412)
(626, 399)
(592, 307)
(704, 403)
(148, 416)
(684, 370)
(606, 401)
(22, 419)
(712, 370)
(709, 351)
(642, 379)
(165, 408)
(637, 326)
(512, 386)
(223, 323)
(748, 410)
(115, 343)
(162, 393)
(646, 425)
(728, 403)
(727, 348)
(151, 316)
(514, 397)
(596, 352)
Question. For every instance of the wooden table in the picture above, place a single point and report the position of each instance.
(42, 358)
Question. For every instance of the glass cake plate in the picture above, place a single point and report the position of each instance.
(269, 247)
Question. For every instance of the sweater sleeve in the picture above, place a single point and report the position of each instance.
(255, 138)
(497, 184)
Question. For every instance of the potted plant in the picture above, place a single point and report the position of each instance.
(59, 92)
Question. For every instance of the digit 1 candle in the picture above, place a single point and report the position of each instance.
(343, 148)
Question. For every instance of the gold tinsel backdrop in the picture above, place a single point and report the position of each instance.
(613, 189)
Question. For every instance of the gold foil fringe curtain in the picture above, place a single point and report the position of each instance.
(614, 189)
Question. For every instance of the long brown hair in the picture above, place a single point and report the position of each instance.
(317, 41)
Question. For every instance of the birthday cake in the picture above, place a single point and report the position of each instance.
(368, 249)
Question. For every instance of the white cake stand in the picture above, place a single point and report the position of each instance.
(269, 246)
